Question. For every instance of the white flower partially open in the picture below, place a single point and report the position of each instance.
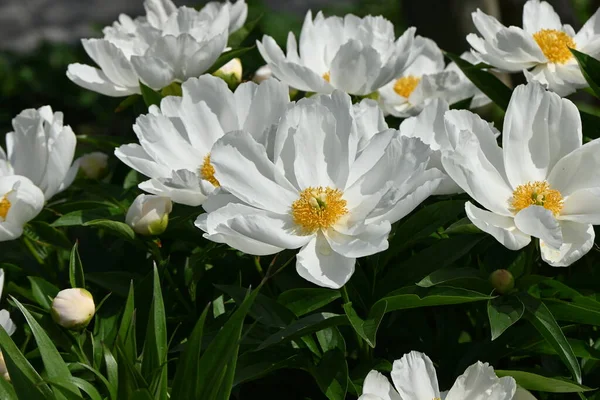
(357, 56)
(148, 214)
(318, 185)
(415, 378)
(20, 202)
(176, 139)
(542, 46)
(425, 79)
(41, 149)
(543, 182)
(168, 44)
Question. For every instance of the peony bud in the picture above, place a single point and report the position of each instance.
(94, 165)
(502, 280)
(149, 214)
(262, 74)
(3, 369)
(231, 72)
(73, 308)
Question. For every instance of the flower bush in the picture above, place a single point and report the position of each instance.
(440, 222)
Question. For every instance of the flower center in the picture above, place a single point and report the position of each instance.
(536, 193)
(405, 85)
(207, 171)
(327, 77)
(4, 207)
(555, 45)
(318, 208)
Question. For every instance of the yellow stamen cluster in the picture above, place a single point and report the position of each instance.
(536, 193)
(406, 85)
(207, 172)
(318, 208)
(555, 45)
(327, 77)
(4, 207)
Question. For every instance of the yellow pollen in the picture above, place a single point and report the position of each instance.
(4, 207)
(536, 193)
(207, 172)
(555, 45)
(318, 208)
(405, 85)
(326, 76)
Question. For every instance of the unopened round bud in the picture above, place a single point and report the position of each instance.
(231, 72)
(502, 280)
(94, 165)
(3, 369)
(149, 214)
(73, 308)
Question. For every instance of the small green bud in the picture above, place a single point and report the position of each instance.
(502, 280)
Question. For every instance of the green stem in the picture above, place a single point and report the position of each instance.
(259, 268)
(365, 351)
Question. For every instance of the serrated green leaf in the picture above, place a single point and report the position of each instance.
(76, 277)
(503, 312)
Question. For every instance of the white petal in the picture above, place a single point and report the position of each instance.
(588, 37)
(369, 120)
(153, 71)
(61, 150)
(428, 125)
(578, 170)
(582, 206)
(470, 168)
(182, 186)
(561, 79)
(359, 240)
(352, 66)
(7, 323)
(539, 129)
(379, 386)
(540, 15)
(577, 240)
(268, 104)
(540, 223)
(243, 168)
(479, 382)
(134, 156)
(96, 80)
(318, 263)
(415, 378)
(111, 61)
(502, 228)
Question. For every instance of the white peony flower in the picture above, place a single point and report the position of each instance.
(167, 45)
(357, 56)
(431, 127)
(176, 139)
(318, 185)
(20, 202)
(425, 79)
(149, 215)
(73, 308)
(415, 378)
(540, 49)
(543, 182)
(94, 164)
(41, 149)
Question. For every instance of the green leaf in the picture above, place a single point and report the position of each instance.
(256, 364)
(43, 291)
(304, 326)
(303, 301)
(186, 382)
(590, 124)
(81, 217)
(332, 375)
(264, 309)
(504, 311)
(151, 96)
(581, 310)
(422, 224)
(69, 383)
(442, 276)
(76, 277)
(531, 381)
(580, 348)
(590, 67)
(226, 57)
(55, 366)
(491, 86)
(43, 232)
(112, 389)
(112, 371)
(128, 102)
(221, 351)
(237, 38)
(542, 319)
(28, 384)
(126, 333)
(154, 357)
(367, 329)
(405, 298)
(7, 391)
(116, 227)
